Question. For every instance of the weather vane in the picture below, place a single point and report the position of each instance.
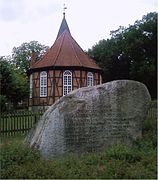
(64, 8)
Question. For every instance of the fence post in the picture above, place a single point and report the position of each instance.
(35, 118)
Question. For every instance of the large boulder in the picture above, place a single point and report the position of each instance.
(92, 119)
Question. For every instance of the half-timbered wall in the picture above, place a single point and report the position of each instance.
(55, 85)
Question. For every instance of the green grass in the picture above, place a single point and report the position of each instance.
(119, 162)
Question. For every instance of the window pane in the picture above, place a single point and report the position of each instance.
(69, 89)
(65, 80)
(65, 90)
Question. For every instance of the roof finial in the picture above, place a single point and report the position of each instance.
(64, 7)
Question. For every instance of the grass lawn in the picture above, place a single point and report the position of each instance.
(140, 162)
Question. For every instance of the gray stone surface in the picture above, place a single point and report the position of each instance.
(92, 119)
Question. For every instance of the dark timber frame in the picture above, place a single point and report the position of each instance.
(55, 83)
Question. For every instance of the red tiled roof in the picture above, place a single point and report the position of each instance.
(65, 52)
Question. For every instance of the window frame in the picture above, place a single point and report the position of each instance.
(43, 84)
(31, 86)
(67, 82)
(90, 79)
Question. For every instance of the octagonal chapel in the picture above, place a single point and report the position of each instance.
(63, 68)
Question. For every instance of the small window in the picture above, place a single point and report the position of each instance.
(67, 82)
(43, 84)
(89, 79)
(31, 86)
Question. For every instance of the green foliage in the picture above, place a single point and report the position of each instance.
(14, 83)
(15, 154)
(121, 152)
(21, 55)
(119, 162)
(130, 53)
(4, 103)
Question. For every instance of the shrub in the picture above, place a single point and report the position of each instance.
(5, 104)
(15, 154)
(121, 152)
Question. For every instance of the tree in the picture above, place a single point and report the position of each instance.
(130, 53)
(140, 45)
(14, 83)
(21, 55)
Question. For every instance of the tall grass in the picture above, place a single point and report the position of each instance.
(119, 162)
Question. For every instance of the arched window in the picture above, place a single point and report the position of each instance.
(67, 82)
(89, 79)
(31, 86)
(43, 84)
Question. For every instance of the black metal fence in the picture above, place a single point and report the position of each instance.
(18, 122)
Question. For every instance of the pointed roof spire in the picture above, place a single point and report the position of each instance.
(65, 52)
(64, 25)
(64, 8)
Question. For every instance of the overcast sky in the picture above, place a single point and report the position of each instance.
(89, 20)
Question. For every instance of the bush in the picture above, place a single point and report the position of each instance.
(121, 152)
(15, 154)
(5, 104)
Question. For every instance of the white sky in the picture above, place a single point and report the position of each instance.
(89, 20)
